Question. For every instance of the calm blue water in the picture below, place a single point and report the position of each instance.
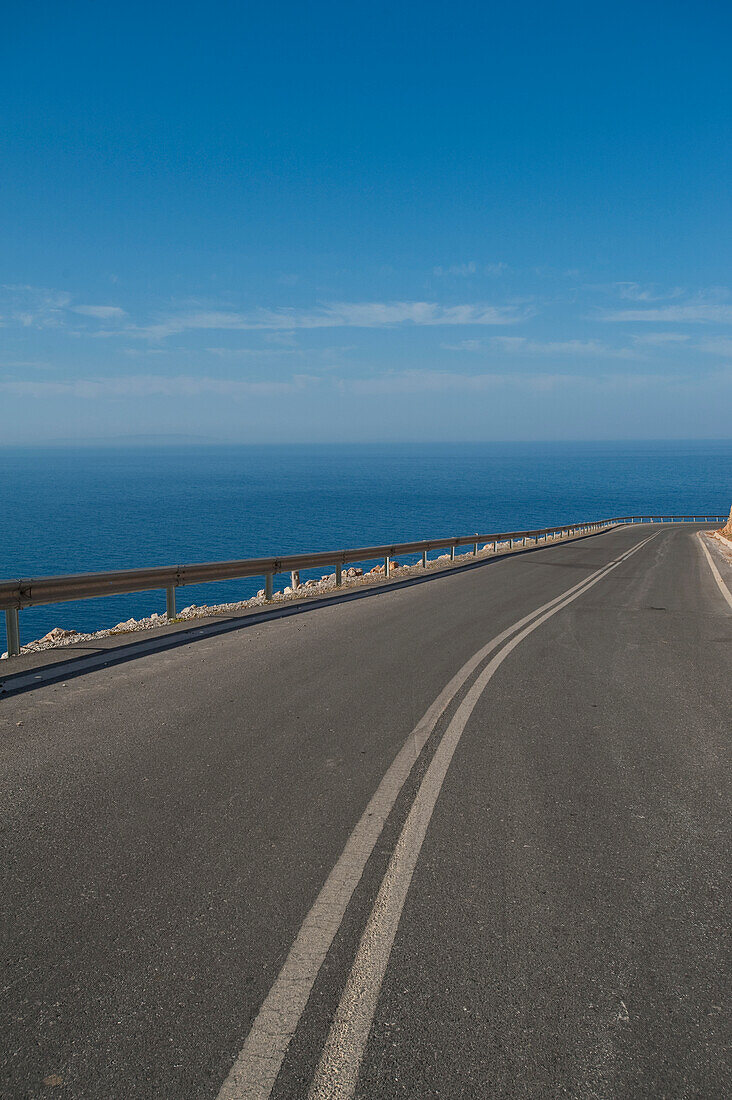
(68, 511)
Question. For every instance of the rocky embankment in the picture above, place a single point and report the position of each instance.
(723, 538)
(354, 576)
(726, 531)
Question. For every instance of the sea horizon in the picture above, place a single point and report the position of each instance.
(116, 507)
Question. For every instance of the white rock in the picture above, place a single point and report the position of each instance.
(57, 633)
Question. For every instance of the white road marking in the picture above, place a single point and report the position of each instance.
(255, 1070)
(715, 572)
(337, 1074)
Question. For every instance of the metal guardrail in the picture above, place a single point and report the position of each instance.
(17, 594)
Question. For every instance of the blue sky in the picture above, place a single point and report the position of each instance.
(331, 222)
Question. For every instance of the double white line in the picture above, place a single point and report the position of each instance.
(259, 1062)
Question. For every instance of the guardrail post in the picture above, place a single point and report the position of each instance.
(170, 602)
(424, 559)
(295, 580)
(12, 630)
(452, 553)
(268, 585)
(475, 549)
(387, 566)
(339, 575)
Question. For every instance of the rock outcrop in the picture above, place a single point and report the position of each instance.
(727, 529)
(58, 634)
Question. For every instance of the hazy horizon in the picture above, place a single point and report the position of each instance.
(163, 442)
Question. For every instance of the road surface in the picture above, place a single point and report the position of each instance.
(467, 838)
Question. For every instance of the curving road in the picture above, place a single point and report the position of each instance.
(462, 838)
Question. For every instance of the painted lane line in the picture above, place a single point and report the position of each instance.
(337, 1072)
(715, 572)
(259, 1061)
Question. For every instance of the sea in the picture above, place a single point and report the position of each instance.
(82, 509)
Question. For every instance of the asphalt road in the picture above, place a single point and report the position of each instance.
(204, 866)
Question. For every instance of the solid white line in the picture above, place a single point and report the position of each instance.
(337, 1073)
(260, 1059)
(715, 572)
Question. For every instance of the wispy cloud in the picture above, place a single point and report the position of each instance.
(424, 381)
(660, 339)
(142, 387)
(521, 345)
(35, 307)
(681, 314)
(721, 345)
(100, 313)
(434, 381)
(456, 269)
(635, 292)
(583, 348)
(337, 315)
(471, 344)
(25, 364)
(707, 307)
(470, 268)
(252, 353)
(148, 385)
